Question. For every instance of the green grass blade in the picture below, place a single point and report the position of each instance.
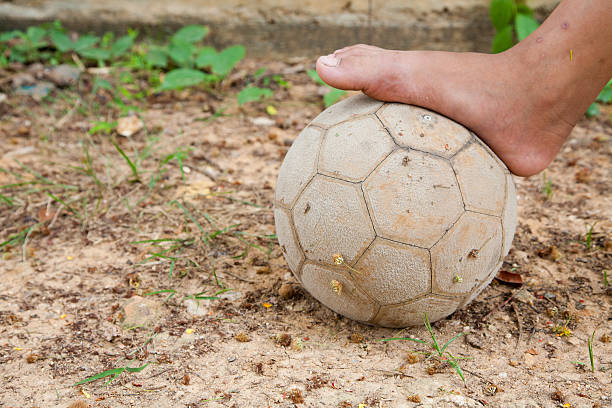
(450, 341)
(114, 372)
(431, 333)
(7, 200)
(62, 202)
(453, 362)
(136, 369)
(127, 159)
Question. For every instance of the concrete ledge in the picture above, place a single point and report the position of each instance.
(280, 27)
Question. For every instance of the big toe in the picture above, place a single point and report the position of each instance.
(350, 68)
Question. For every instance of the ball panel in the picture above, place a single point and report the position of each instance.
(350, 107)
(299, 166)
(482, 180)
(391, 272)
(287, 241)
(478, 289)
(491, 152)
(352, 149)
(509, 217)
(421, 129)
(466, 254)
(333, 287)
(413, 197)
(331, 218)
(412, 314)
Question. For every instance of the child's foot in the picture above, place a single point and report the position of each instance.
(525, 119)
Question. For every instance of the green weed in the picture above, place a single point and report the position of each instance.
(440, 353)
(547, 189)
(113, 373)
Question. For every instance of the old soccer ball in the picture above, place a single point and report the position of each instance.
(385, 211)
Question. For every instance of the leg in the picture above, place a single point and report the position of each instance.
(523, 103)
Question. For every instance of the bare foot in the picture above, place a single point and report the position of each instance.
(486, 93)
(523, 103)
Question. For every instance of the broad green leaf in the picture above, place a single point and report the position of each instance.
(181, 78)
(332, 96)
(605, 96)
(157, 57)
(85, 42)
(100, 83)
(501, 12)
(35, 34)
(593, 110)
(525, 25)
(61, 41)
(190, 33)
(227, 59)
(206, 57)
(503, 40)
(181, 52)
(253, 93)
(98, 54)
(524, 9)
(122, 45)
(9, 35)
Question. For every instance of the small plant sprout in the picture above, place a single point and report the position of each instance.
(113, 373)
(439, 353)
(546, 186)
(339, 260)
(588, 240)
(590, 347)
(457, 279)
(605, 279)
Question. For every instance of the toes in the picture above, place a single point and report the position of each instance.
(349, 68)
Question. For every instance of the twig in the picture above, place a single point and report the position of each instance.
(520, 325)
(160, 373)
(238, 277)
(501, 306)
(68, 114)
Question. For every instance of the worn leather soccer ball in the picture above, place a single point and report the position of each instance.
(385, 211)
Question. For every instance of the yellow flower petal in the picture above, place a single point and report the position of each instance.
(63, 316)
(267, 305)
(271, 110)
(17, 348)
(189, 331)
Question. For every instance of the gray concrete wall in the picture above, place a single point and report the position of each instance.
(286, 27)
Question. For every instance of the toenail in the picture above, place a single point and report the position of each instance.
(330, 60)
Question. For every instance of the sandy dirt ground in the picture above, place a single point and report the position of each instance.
(85, 248)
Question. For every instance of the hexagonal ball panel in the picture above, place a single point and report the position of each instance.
(482, 180)
(413, 197)
(466, 254)
(411, 314)
(509, 217)
(350, 107)
(481, 286)
(422, 129)
(299, 166)
(286, 239)
(352, 149)
(391, 272)
(331, 218)
(346, 299)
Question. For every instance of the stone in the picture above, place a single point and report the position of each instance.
(140, 312)
(63, 75)
(129, 125)
(37, 90)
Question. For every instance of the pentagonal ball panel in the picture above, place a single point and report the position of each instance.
(413, 313)
(299, 166)
(352, 149)
(422, 129)
(413, 197)
(334, 288)
(287, 240)
(482, 180)
(391, 272)
(351, 107)
(509, 217)
(466, 254)
(331, 218)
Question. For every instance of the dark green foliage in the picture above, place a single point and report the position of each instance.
(513, 20)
